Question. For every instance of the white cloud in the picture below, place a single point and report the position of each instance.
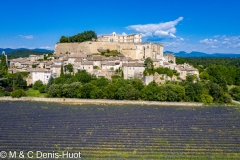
(124, 34)
(161, 30)
(208, 41)
(27, 36)
(213, 46)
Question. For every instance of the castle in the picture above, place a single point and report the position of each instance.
(128, 45)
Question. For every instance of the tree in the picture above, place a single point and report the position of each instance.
(235, 93)
(19, 82)
(61, 73)
(3, 64)
(80, 37)
(63, 39)
(54, 90)
(137, 84)
(175, 92)
(69, 68)
(70, 90)
(85, 90)
(37, 84)
(215, 91)
(190, 78)
(50, 82)
(148, 63)
(42, 89)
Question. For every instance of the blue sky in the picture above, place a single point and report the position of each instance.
(180, 25)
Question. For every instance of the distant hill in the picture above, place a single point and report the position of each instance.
(23, 52)
(204, 55)
(9, 50)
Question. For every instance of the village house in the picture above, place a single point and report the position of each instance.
(133, 70)
(36, 74)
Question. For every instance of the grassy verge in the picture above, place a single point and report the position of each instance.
(35, 93)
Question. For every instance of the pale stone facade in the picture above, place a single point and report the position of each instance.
(133, 50)
(133, 38)
(38, 74)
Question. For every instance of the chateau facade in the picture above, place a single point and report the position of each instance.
(133, 38)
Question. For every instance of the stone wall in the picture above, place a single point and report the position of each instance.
(133, 50)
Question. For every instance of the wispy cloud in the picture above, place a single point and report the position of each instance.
(160, 30)
(26, 36)
(221, 41)
(208, 41)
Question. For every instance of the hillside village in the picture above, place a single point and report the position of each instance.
(89, 56)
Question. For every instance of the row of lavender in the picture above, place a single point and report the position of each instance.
(121, 131)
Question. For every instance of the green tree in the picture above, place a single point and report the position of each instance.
(83, 77)
(50, 82)
(54, 90)
(69, 68)
(110, 90)
(204, 75)
(42, 89)
(215, 91)
(37, 84)
(190, 78)
(85, 90)
(137, 84)
(175, 92)
(84, 36)
(61, 72)
(235, 93)
(148, 63)
(19, 82)
(63, 39)
(3, 65)
(153, 92)
(70, 90)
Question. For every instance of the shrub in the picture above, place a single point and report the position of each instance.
(37, 85)
(206, 98)
(54, 90)
(42, 89)
(18, 93)
(235, 93)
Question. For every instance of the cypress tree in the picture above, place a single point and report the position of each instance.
(62, 73)
(19, 82)
(50, 82)
(3, 64)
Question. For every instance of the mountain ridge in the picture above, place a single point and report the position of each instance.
(196, 54)
(9, 50)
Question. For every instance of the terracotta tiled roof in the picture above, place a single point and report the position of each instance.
(87, 63)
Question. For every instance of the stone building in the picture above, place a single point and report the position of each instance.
(133, 38)
(133, 70)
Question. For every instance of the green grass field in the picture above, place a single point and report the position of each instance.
(35, 93)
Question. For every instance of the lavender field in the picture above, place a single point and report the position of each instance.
(121, 132)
